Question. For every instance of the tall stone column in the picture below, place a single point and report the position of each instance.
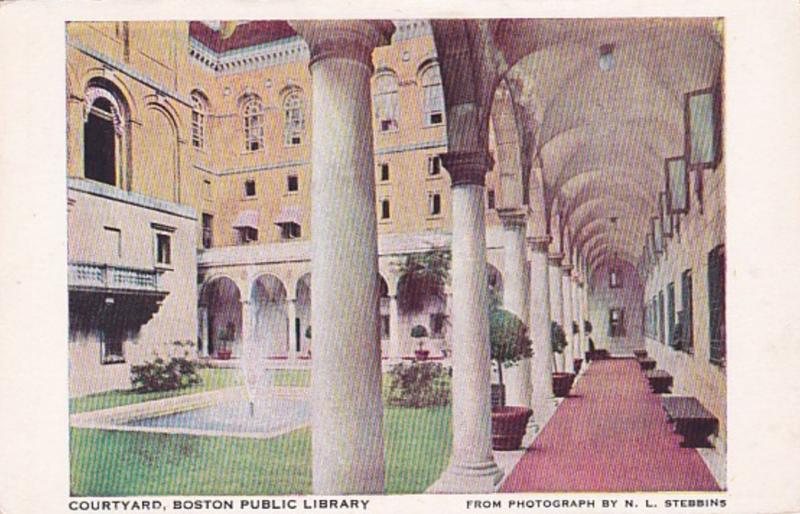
(291, 315)
(394, 328)
(542, 361)
(515, 300)
(472, 467)
(347, 412)
(566, 292)
(556, 298)
(577, 308)
(202, 316)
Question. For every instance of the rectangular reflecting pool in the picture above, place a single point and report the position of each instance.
(269, 416)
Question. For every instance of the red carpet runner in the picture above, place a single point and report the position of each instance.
(610, 436)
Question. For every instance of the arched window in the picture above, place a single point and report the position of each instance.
(253, 117)
(386, 100)
(293, 118)
(103, 135)
(199, 115)
(431, 81)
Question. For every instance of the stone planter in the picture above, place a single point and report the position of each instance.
(508, 427)
(224, 355)
(421, 355)
(562, 383)
(498, 395)
(576, 365)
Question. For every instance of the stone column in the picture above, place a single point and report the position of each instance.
(347, 412)
(556, 299)
(472, 467)
(566, 292)
(542, 361)
(394, 328)
(515, 300)
(291, 315)
(577, 307)
(203, 317)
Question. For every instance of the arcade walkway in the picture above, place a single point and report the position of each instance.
(611, 435)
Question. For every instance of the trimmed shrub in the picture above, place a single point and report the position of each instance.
(419, 384)
(165, 375)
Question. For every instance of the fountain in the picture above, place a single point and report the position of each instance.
(253, 365)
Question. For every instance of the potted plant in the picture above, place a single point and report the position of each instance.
(224, 337)
(577, 362)
(562, 381)
(420, 333)
(509, 344)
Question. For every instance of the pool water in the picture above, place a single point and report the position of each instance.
(268, 416)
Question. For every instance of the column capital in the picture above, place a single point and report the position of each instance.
(554, 259)
(467, 167)
(344, 39)
(512, 217)
(539, 244)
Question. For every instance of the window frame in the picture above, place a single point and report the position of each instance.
(434, 204)
(199, 128)
(253, 123)
(294, 120)
(247, 195)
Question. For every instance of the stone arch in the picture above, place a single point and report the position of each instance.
(220, 315)
(268, 307)
(161, 159)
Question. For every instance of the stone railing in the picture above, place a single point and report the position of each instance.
(92, 275)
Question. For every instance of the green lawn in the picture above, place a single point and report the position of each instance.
(213, 378)
(110, 463)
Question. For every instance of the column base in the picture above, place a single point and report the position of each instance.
(468, 478)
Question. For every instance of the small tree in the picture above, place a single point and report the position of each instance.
(424, 275)
(419, 333)
(509, 340)
(558, 341)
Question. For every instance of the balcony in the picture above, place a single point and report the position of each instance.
(93, 276)
(112, 298)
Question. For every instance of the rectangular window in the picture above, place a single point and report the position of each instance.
(434, 204)
(290, 231)
(688, 315)
(716, 304)
(671, 314)
(385, 212)
(249, 188)
(616, 323)
(163, 249)
(384, 172)
(385, 326)
(434, 165)
(435, 118)
(661, 327)
(247, 234)
(490, 200)
(208, 233)
(112, 244)
(112, 350)
(292, 184)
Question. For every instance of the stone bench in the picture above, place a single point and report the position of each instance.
(692, 420)
(660, 380)
(647, 363)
